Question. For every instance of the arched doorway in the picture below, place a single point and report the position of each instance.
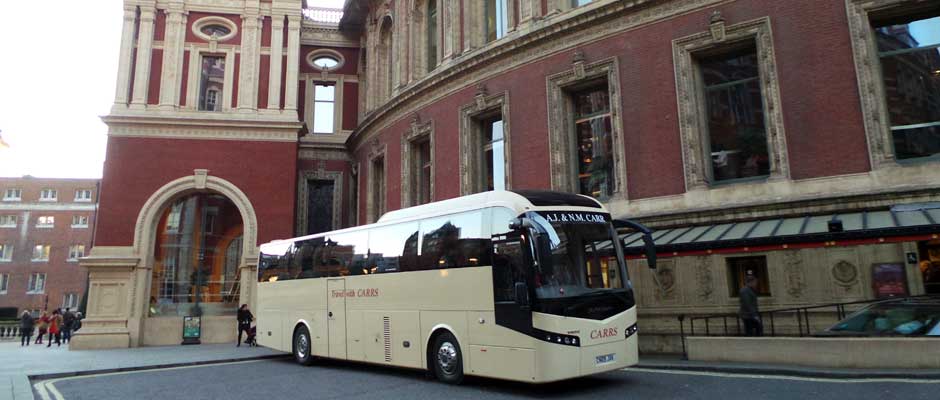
(196, 254)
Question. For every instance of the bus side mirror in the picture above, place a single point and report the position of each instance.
(650, 250)
(521, 294)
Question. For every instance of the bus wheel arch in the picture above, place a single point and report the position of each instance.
(450, 343)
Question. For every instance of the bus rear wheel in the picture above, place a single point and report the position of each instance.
(447, 359)
(302, 346)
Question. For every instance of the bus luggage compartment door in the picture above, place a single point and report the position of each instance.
(336, 317)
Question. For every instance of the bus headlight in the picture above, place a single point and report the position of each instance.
(631, 330)
(557, 338)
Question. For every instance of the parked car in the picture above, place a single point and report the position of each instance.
(901, 317)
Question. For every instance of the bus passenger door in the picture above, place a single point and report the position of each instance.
(336, 317)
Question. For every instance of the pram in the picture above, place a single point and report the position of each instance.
(252, 340)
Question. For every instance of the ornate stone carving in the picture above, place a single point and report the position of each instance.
(200, 176)
(693, 132)
(716, 25)
(577, 64)
(667, 279)
(793, 271)
(480, 96)
(704, 279)
(845, 273)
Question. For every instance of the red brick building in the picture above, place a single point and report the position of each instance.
(46, 225)
(738, 128)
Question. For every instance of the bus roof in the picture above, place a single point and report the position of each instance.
(520, 201)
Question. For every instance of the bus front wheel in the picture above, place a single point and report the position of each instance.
(302, 346)
(447, 359)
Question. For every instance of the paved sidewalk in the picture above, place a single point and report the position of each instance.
(675, 362)
(17, 363)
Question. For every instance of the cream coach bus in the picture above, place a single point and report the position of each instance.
(522, 285)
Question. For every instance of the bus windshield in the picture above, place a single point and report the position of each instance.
(583, 261)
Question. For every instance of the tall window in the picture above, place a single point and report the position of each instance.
(494, 161)
(7, 221)
(41, 252)
(37, 283)
(432, 34)
(76, 251)
(497, 19)
(211, 83)
(909, 49)
(13, 195)
(594, 146)
(421, 187)
(735, 112)
(45, 221)
(190, 273)
(4, 283)
(378, 187)
(323, 106)
(48, 195)
(387, 53)
(6, 252)
(579, 3)
(83, 195)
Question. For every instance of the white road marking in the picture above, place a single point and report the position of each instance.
(48, 391)
(783, 377)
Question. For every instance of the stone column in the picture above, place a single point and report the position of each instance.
(248, 275)
(248, 74)
(277, 48)
(122, 89)
(293, 66)
(170, 78)
(144, 47)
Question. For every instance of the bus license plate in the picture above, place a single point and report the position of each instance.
(604, 359)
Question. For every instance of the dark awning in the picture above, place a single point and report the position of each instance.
(900, 220)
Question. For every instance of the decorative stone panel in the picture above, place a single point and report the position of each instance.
(693, 128)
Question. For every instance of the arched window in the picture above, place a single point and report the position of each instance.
(196, 257)
(432, 33)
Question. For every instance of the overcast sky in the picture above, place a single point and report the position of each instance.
(58, 67)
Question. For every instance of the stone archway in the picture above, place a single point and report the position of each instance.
(164, 330)
(120, 277)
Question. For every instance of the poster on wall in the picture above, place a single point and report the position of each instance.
(889, 280)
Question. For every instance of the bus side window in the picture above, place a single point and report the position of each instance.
(347, 254)
(307, 259)
(454, 241)
(389, 247)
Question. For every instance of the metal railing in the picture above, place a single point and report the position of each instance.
(794, 317)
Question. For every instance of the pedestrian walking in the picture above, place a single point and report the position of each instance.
(26, 328)
(244, 322)
(42, 326)
(749, 312)
(68, 325)
(55, 321)
(78, 321)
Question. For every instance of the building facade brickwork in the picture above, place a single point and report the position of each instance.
(42, 238)
(679, 113)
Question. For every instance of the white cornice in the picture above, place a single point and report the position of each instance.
(11, 206)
